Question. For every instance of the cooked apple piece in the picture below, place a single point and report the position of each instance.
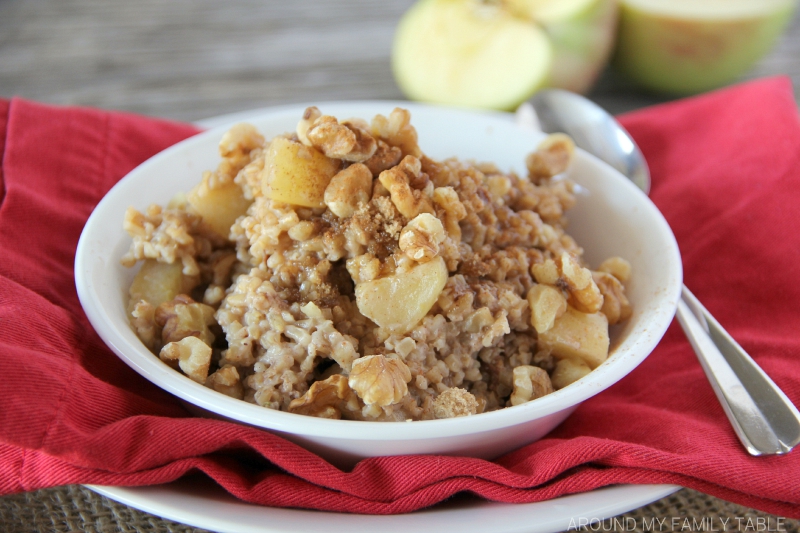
(568, 371)
(398, 302)
(220, 206)
(157, 283)
(297, 174)
(578, 335)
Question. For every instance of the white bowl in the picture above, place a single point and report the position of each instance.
(612, 218)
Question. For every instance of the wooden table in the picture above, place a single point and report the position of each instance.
(192, 59)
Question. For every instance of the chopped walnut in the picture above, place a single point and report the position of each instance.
(566, 273)
(327, 399)
(191, 355)
(365, 267)
(183, 317)
(397, 130)
(380, 380)
(410, 202)
(237, 143)
(617, 267)
(341, 140)
(546, 273)
(227, 381)
(530, 382)
(446, 198)
(143, 322)
(616, 306)
(310, 115)
(384, 158)
(347, 189)
(553, 156)
(547, 303)
(421, 237)
(455, 402)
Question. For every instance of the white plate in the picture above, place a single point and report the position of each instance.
(201, 503)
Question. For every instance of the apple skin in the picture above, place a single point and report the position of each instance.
(683, 56)
(582, 46)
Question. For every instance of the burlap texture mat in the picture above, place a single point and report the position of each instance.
(76, 508)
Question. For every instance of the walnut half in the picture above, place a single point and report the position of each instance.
(421, 237)
(326, 399)
(530, 382)
(191, 355)
(380, 380)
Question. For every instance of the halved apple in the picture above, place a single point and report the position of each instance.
(689, 46)
(496, 54)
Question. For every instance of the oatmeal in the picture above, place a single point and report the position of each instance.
(337, 271)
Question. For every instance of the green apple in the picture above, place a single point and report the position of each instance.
(689, 46)
(496, 54)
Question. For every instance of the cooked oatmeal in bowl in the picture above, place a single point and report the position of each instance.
(337, 271)
(376, 292)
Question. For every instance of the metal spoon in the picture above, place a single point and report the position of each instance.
(763, 417)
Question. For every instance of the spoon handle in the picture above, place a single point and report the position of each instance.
(763, 417)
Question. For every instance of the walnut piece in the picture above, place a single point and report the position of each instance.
(421, 237)
(616, 306)
(553, 156)
(237, 143)
(397, 180)
(310, 115)
(327, 399)
(344, 140)
(617, 267)
(347, 189)
(397, 130)
(565, 272)
(143, 323)
(183, 317)
(384, 158)
(191, 355)
(530, 382)
(546, 273)
(227, 381)
(380, 380)
(454, 402)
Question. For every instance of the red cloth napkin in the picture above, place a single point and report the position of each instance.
(726, 174)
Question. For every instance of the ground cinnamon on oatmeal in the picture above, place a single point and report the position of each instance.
(339, 272)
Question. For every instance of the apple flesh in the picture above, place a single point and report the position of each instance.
(690, 46)
(582, 34)
(495, 55)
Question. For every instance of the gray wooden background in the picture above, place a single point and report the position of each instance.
(194, 59)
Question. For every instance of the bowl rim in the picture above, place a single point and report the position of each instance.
(239, 411)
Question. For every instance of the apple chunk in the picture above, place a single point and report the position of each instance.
(689, 46)
(577, 335)
(220, 206)
(399, 301)
(157, 283)
(297, 174)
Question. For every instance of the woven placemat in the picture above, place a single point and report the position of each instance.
(76, 508)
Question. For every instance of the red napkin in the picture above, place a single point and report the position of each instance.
(726, 174)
